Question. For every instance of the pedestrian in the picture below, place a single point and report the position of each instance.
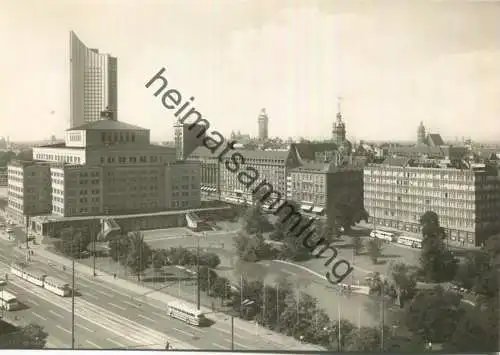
(114, 275)
(167, 346)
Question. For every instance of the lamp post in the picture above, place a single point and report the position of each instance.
(72, 293)
(198, 291)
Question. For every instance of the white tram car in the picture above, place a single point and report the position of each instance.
(41, 279)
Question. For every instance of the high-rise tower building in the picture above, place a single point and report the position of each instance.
(263, 125)
(93, 84)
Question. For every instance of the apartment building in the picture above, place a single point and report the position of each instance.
(3, 178)
(466, 198)
(29, 190)
(210, 169)
(320, 187)
(104, 167)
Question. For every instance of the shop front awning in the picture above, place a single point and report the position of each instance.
(317, 209)
(306, 208)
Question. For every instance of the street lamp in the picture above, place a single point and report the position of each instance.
(246, 303)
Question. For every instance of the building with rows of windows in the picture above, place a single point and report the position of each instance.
(105, 167)
(465, 197)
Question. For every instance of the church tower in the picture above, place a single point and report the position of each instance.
(339, 131)
(421, 134)
(263, 121)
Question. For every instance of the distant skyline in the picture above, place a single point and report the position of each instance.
(394, 63)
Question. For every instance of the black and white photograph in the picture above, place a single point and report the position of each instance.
(274, 176)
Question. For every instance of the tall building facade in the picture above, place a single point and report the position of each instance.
(466, 199)
(263, 121)
(103, 168)
(93, 84)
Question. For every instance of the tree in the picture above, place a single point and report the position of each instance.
(437, 262)
(139, 254)
(211, 260)
(181, 256)
(374, 249)
(221, 288)
(159, 258)
(404, 280)
(31, 336)
(349, 210)
(433, 314)
(279, 233)
(335, 332)
(478, 330)
(253, 220)
(357, 244)
(253, 247)
(365, 339)
(207, 278)
(119, 248)
(72, 241)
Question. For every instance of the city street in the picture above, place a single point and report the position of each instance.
(119, 318)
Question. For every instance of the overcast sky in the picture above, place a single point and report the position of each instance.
(395, 63)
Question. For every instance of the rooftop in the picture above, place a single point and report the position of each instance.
(203, 152)
(107, 125)
(118, 147)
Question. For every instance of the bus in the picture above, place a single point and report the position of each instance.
(410, 241)
(8, 301)
(185, 313)
(57, 286)
(384, 235)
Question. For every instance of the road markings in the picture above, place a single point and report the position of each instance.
(227, 332)
(116, 342)
(144, 317)
(236, 343)
(63, 329)
(84, 327)
(116, 306)
(56, 314)
(31, 301)
(130, 303)
(102, 293)
(220, 346)
(289, 272)
(39, 316)
(91, 296)
(183, 332)
(93, 344)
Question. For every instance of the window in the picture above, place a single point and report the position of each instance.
(103, 137)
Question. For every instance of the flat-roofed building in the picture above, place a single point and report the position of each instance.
(210, 169)
(465, 197)
(29, 190)
(3, 177)
(107, 167)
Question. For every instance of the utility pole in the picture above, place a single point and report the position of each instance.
(27, 231)
(232, 332)
(278, 306)
(73, 293)
(94, 248)
(382, 319)
(198, 291)
(338, 329)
